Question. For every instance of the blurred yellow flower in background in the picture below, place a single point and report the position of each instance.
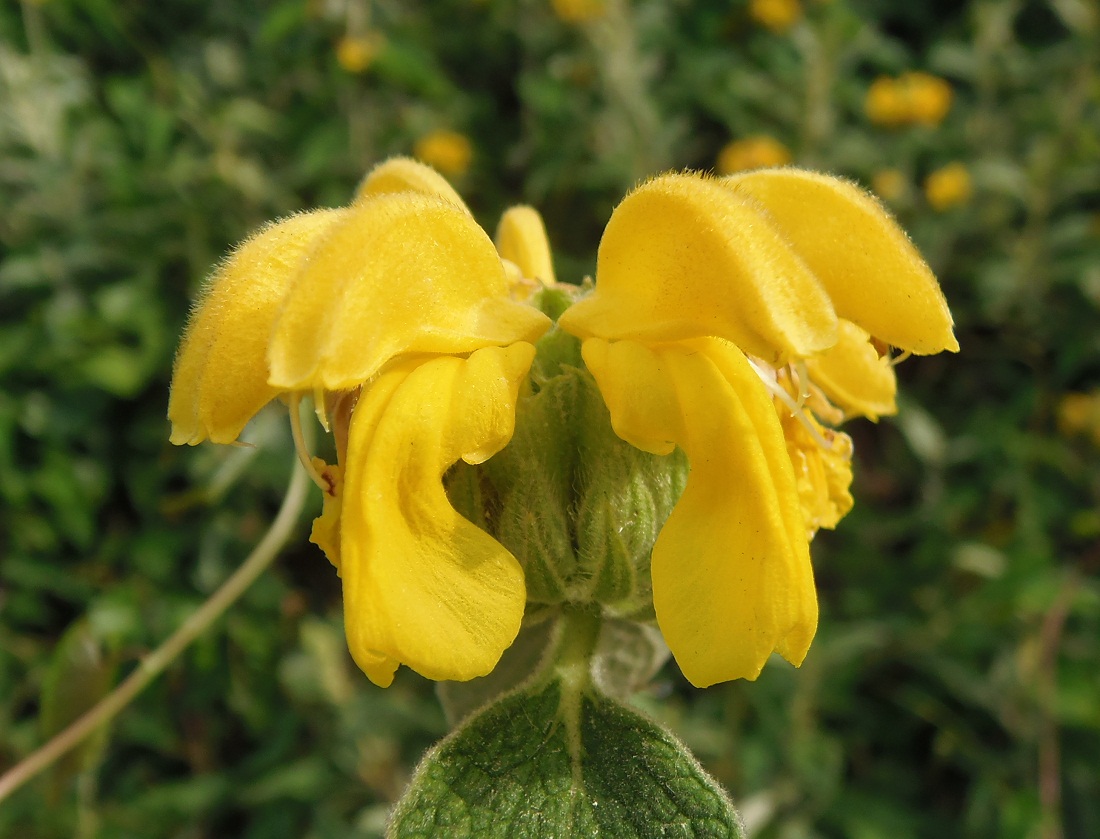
(884, 104)
(752, 153)
(448, 151)
(579, 11)
(356, 54)
(915, 98)
(1079, 414)
(929, 97)
(889, 184)
(948, 187)
(776, 15)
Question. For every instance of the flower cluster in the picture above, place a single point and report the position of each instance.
(913, 98)
(735, 320)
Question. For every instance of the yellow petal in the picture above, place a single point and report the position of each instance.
(867, 264)
(398, 274)
(219, 380)
(422, 585)
(379, 668)
(685, 257)
(403, 174)
(732, 580)
(854, 376)
(521, 239)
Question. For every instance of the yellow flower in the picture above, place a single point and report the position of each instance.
(948, 187)
(447, 151)
(356, 54)
(776, 15)
(752, 153)
(889, 184)
(579, 11)
(396, 313)
(716, 301)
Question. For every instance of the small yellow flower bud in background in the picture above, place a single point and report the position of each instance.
(579, 11)
(447, 151)
(776, 15)
(356, 54)
(1079, 414)
(948, 187)
(885, 104)
(889, 184)
(752, 153)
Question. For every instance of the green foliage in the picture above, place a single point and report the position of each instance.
(953, 688)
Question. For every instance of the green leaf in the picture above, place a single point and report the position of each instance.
(555, 760)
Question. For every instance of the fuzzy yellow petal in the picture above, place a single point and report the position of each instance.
(422, 585)
(872, 272)
(684, 257)
(403, 174)
(521, 239)
(854, 376)
(732, 580)
(220, 380)
(398, 274)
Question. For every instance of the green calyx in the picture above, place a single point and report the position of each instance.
(578, 507)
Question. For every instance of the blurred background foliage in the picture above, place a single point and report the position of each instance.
(954, 688)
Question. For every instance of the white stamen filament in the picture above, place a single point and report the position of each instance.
(800, 375)
(319, 408)
(768, 377)
(896, 360)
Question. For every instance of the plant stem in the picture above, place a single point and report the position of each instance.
(157, 661)
(1049, 747)
(579, 632)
